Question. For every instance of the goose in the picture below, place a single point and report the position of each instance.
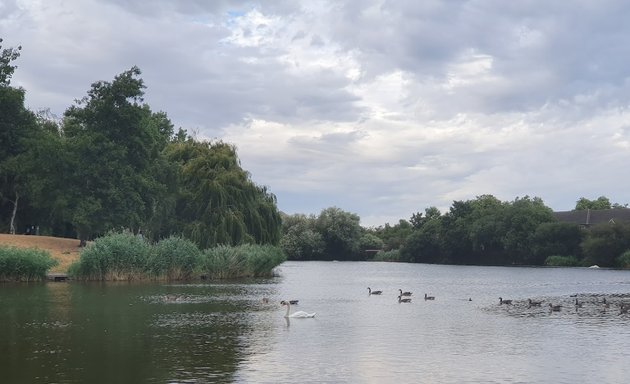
(298, 314)
(265, 300)
(404, 293)
(578, 304)
(501, 301)
(534, 303)
(374, 292)
(555, 308)
(292, 302)
(605, 303)
(405, 300)
(426, 297)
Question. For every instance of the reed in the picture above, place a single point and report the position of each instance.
(247, 260)
(562, 261)
(116, 256)
(393, 255)
(174, 258)
(24, 264)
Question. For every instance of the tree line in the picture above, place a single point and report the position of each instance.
(112, 163)
(481, 231)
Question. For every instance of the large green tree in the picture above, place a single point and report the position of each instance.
(18, 126)
(113, 142)
(217, 202)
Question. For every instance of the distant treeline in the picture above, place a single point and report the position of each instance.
(111, 163)
(483, 231)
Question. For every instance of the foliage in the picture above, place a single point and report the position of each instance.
(393, 236)
(341, 233)
(392, 255)
(605, 243)
(248, 260)
(562, 261)
(116, 256)
(7, 56)
(623, 261)
(300, 240)
(216, 202)
(112, 141)
(601, 202)
(24, 264)
(556, 238)
(174, 258)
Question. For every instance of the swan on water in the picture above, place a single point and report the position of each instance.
(374, 292)
(298, 314)
(404, 293)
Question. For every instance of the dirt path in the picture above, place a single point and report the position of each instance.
(64, 250)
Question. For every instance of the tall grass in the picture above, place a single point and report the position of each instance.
(24, 264)
(393, 255)
(117, 256)
(224, 262)
(562, 261)
(174, 258)
(123, 256)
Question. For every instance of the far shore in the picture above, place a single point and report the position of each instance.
(65, 251)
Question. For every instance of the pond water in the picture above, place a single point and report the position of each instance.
(224, 332)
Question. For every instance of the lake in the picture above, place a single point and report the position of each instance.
(223, 331)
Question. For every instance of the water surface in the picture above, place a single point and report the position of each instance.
(224, 332)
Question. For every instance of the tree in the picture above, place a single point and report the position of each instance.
(112, 141)
(556, 239)
(300, 240)
(216, 202)
(7, 57)
(17, 126)
(601, 202)
(341, 233)
(605, 242)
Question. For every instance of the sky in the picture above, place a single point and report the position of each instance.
(380, 108)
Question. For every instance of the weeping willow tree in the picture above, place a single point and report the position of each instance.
(217, 203)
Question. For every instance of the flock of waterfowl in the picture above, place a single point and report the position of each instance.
(403, 297)
(576, 304)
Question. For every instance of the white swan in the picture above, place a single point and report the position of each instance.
(298, 314)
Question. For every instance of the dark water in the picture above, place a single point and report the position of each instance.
(204, 333)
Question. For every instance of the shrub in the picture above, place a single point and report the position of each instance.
(174, 258)
(24, 264)
(246, 260)
(562, 261)
(116, 256)
(623, 261)
(393, 255)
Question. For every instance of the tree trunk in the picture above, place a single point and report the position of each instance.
(15, 207)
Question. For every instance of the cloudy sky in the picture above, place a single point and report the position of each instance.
(381, 108)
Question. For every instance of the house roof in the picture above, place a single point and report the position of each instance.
(594, 216)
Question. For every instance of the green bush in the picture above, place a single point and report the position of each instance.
(623, 261)
(24, 264)
(174, 258)
(392, 255)
(562, 261)
(116, 256)
(223, 262)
